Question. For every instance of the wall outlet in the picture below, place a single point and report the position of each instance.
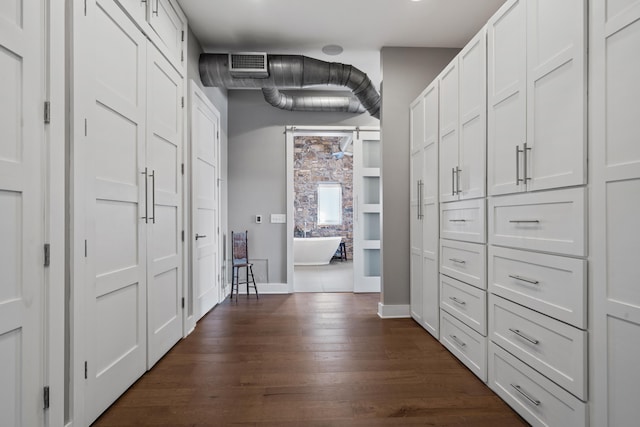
(278, 218)
(258, 219)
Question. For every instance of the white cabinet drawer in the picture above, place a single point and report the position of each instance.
(551, 221)
(463, 220)
(556, 350)
(466, 303)
(553, 285)
(535, 398)
(465, 343)
(464, 261)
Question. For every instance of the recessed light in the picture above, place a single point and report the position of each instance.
(332, 49)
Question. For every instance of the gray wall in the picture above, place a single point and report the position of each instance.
(405, 72)
(257, 170)
(219, 98)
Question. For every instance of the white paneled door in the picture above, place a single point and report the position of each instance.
(164, 198)
(21, 213)
(115, 285)
(205, 149)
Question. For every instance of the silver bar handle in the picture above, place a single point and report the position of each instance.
(525, 337)
(526, 395)
(200, 236)
(458, 341)
(523, 279)
(146, 197)
(518, 151)
(458, 170)
(524, 221)
(153, 196)
(526, 156)
(457, 220)
(457, 261)
(453, 181)
(454, 299)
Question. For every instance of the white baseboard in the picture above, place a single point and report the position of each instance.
(264, 288)
(394, 311)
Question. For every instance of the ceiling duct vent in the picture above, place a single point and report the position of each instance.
(248, 65)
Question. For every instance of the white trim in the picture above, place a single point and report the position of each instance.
(400, 311)
(263, 289)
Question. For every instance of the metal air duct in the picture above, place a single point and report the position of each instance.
(296, 72)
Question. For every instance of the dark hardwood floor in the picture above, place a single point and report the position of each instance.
(308, 360)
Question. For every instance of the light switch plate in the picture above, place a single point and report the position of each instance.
(278, 218)
(258, 219)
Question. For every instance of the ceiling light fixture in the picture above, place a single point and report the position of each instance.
(332, 49)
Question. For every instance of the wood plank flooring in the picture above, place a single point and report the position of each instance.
(308, 360)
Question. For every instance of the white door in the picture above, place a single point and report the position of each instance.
(115, 321)
(472, 63)
(416, 120)
(556, 92)
(449, 132)
(21, 211)
(167, 23)
(507, 98)
(164, 198)
(430, 215)
(367, 207)
(205, 147)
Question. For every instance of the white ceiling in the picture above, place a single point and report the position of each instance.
(362, 27)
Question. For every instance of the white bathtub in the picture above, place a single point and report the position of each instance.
(314, 250)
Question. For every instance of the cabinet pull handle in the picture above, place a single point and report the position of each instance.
(526, 156)
(146, 196)
(200, 236)
(523, 336)
(458, 170)
(155, 12)
(457, 220)
(458, 341)
(524, 279)
(454, 299)
(524, 221)
(518, 151)
(526, 396)
(453, 181)
(153, 196)
(458, 261)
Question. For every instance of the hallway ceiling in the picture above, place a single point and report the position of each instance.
(361, 27)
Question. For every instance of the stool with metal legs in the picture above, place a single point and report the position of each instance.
(240, 259)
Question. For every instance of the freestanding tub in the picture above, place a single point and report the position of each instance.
(314, 250)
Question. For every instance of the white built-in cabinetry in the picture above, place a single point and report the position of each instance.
(424, 210)
(128, 196)
(614, 176)
(515, 311)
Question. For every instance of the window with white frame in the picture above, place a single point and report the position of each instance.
(329, 203)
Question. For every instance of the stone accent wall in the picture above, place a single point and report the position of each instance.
(313, 163)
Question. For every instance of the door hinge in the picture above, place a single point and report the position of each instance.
(182, 168)
(45, 397)
(182, 35)
(358, 132)
(85, 7)
(85, 127)
(85, 248)
(182, 56)
(218, 230)
(182, 102)
(182, 302)
(85, 370)
(47, 254)
(182, 235)
(47, 112)
(217, 134)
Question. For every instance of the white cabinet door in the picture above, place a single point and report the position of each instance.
(614, 163)
(116, 214)
(21, 213)
(556, 94)
(415, 227)
(168, 26)
(471, 174)
(507, 102)
(164, 243)
(416, 124)
(449, 132)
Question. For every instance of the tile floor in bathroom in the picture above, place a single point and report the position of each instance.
(335, 277)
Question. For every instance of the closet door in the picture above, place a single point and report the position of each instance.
(556, 92)
(167, 29)
(21, 213)
(507, 97)
(416, 118)
(115, 283)
(472, 65)
(449, 92)
(164, 198)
